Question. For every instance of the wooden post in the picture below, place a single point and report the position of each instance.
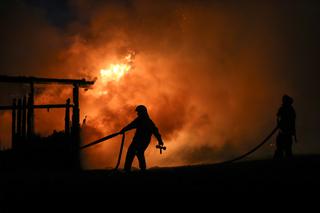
(19, 119)
(31, 113)
(13, 121)
(76, 127)
(0, 142)
(29, 118)
(76, 111)
(67, 118)
(24, 118)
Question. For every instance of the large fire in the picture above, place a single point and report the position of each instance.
(193, 79)
(114, 72)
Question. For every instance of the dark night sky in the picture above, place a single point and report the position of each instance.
(292, 26)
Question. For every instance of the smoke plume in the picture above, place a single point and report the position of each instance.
(210, 72)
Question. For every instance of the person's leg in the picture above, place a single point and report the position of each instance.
(142, 160)
(288, 146)
(129, 158)
(278, 154)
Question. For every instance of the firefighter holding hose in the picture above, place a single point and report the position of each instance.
(286, 119)
(145, 128)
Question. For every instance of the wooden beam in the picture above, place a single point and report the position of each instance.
(51, 106)
(37, 80)
(45, 106)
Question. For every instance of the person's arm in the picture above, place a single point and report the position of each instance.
(130, 126)
(157, 135)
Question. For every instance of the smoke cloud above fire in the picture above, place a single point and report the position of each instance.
(211, 73)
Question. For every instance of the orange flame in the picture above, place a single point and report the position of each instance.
(114, 73)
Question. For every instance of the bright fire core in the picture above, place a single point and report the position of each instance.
(114, 73)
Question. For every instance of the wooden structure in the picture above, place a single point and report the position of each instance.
(23, 128)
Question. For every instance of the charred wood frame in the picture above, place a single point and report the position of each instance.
(23, 108)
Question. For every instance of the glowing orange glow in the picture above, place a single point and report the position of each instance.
(193, 79)
(114, 73)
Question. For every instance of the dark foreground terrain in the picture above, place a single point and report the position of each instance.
(298, 177)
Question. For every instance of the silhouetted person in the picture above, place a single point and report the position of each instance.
(144, 129)
(286, 118)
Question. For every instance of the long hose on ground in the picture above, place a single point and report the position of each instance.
(252, 150)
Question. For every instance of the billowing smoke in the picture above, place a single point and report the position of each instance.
(209, 72)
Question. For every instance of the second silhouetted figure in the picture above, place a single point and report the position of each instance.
(144, 129)
(286, 119)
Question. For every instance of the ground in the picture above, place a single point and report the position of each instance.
(247, 177)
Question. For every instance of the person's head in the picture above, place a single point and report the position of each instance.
(287, 100)
(142, 110)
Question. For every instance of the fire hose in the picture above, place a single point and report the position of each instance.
(252, 150)
(161, 147)
(107, 138)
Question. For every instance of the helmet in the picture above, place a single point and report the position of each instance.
(286, 99)
(141, 108)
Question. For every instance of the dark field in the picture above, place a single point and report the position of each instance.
(261, 176)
